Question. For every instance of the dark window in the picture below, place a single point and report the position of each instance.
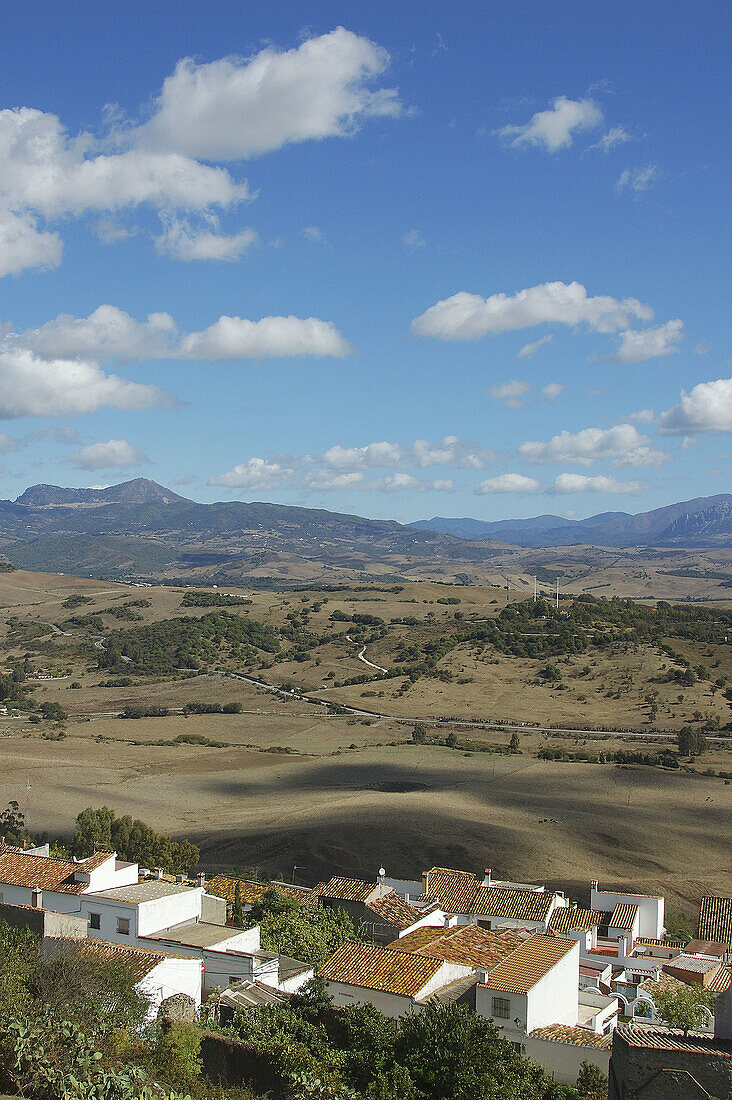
(95, 920)
(502, 1008)
(123, 926)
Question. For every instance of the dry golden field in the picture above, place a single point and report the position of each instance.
(291, 784)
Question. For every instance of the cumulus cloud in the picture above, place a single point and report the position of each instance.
(638, 179)
(115, 454)
(329, 481)
(182, 241)
(510, 393)
(109, 332)
(622, 442)
(106, 333)
(450, 451)
(413, 240)
(649, 343)
(257, 473)
(31, 386)
(616, 136)
(706, 408)
(642, 416)
(313, 233)
(227, 109)
(23, 246)
(555, 128)
(581, 483)
(551, 391)
(271, 337)
(467, 316)
(529, 350)
(235, 108)
(508, 483)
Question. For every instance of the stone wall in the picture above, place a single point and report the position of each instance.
(647, 1072)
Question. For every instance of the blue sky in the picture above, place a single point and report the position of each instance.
(394, 259)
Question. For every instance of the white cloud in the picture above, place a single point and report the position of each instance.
(508, 483)
(106, 333)
(109, 230)
(413, 240)
(616, 136)
(551, 391)
(242, 107)
(115, 454)
(30, 386)
(8, 443)
(450, 451)
(110, 332)
(581, 483)
(623, 441)
(649, 343)
(257, 473)
(467, 316)
(184, 242)
(555, 128)
(313, 233)
(529, 350)
(706, 408)
(638, 179)
(510, 393)
(642, 416)
(238, 338)
(356, 480)
(23, 246)
(641, 456)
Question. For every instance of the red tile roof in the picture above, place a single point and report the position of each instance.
(40, 872)
(378, 968)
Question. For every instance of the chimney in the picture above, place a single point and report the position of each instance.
(37, 898)
(594, 885)
(2, 841)
(201, 877)
(158, 872)
(622, 947)
(24, 844)
(487, 880)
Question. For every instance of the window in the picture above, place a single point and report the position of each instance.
(95, 920)
(501, 1008)
(123, 926)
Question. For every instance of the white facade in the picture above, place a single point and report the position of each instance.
(396, 1005)
(650, 909)
(169, 977)
(553, 999)
(564, 1060)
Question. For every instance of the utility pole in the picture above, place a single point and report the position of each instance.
(534, 589)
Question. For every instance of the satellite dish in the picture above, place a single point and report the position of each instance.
(382, 871)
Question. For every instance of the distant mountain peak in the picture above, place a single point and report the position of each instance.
(138, 491)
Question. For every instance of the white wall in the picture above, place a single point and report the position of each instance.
(172, 909)
(553, 1000)
(563, 1060)
(169, 977)
(391, 1004)
(435, 919)
(651, 910)
(403, 886)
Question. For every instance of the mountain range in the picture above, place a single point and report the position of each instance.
(141, 530)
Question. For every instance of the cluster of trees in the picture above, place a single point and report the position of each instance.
(196, 598)
(692, 742)
(664, 759)
(132, 840)
(443, 1052)
(12, 686)
(165, 646)
(312, 935)
(212, 708)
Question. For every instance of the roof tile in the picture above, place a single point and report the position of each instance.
(373, 967)
(715, 920)
(529, 963)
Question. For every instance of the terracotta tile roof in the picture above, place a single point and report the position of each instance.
(673, 945)
(223, 887)
(467, 945)
(715, 920)
(347, 889)
(140, 960)
(528, 964)
(372, 967)
(395, 910)
(665, 1039)
(413, 941)
(97, 860)
(455, 890)
(562, 1033)
(17, 868)
(721, 981)
(624, 916)
(312, 898)
(571, 919)
(512, 903)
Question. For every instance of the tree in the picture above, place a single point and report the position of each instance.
(12, 823)
(683, 1006)
(93, 830)
(592, 1084)
(312, 935)
(514, 744)
(237, 912)
(419, 733)
(691, 742)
